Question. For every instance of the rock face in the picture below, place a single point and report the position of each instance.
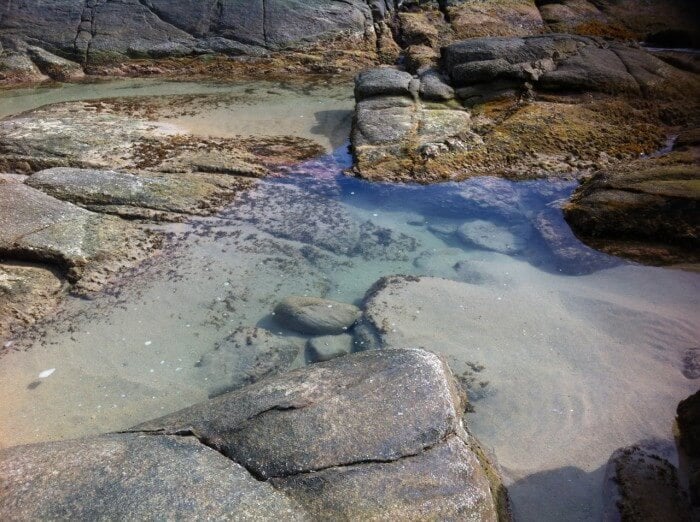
(88, 246)
(316, 316)
(105, 36)
(647, 210)
(556, 63)
(370, 436)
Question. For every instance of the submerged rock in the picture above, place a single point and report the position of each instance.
(329, 347)
(316, 316)
(247, 356)
(490, 236)
(26, 293)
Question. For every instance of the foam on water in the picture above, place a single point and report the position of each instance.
(568, 356)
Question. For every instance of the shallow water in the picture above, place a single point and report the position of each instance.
(578, 355)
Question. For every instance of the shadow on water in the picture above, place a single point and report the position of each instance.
(530, 210)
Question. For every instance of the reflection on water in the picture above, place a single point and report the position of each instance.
(568, 353)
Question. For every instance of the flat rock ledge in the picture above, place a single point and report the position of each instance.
(376, 435)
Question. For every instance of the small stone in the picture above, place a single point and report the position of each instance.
(329, 347)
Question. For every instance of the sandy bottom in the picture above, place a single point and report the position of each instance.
(567, 362)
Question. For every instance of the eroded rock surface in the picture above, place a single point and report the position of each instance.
(87, 246)
(369, 436)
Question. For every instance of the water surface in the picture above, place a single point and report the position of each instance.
(567, 358)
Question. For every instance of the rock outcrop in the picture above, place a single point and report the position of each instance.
(373, 435)
(87, 246)
(146, 195)
(133, 37)
(648, 209)
(528, 106)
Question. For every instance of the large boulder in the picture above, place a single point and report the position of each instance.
(559, 63)
(133, 476)
(330, 434)
(373, 436)
(316, 316)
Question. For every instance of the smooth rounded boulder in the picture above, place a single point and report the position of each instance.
(316, 316)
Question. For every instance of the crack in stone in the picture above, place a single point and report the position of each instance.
(189, 432)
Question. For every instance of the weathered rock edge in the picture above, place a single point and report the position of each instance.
(373, 435)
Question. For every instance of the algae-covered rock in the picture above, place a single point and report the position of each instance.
(37, 227)
(316, 316)
(26, 293)
(648, 209)
(138, 194)
(643, 485)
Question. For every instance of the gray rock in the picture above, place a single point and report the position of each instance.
(490, 236)
(138, 194)
(400, 490)
(434, 87)
(37, 227)
(383, 120)
(370, 406)
(384, 81)
(329, 347)
(373, 436)
(55, 67)
(316, 316)
(556, 62)
(157, 28)
(133, 477)
(247, 356)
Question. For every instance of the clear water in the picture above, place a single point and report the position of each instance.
(569, 359)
